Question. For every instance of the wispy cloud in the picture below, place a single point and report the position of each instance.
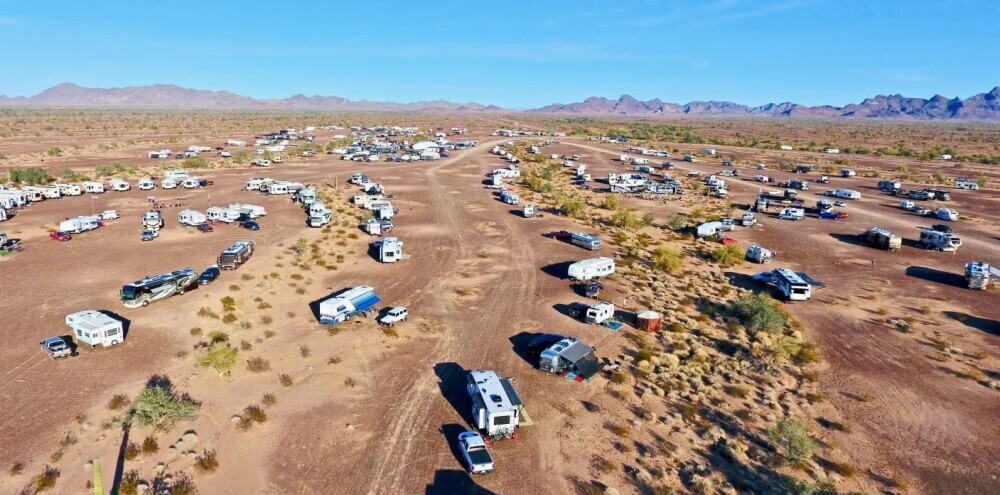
(716, 12)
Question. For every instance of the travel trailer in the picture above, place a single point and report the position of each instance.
(192, 183)
(966, 185)
(168, 183)
(341, 307)
(939, 241)
(586, 241)
(150, 289)
(234, 256)
(79, 224)
(94, 328)
(119, 185)
(152, 220)
(93, 187)
(882, 239)
(251, 211)
(591, 268)
(496, 407)
(69, 189)
(191, 217)
(791, 285)
(176, 174)
(570, 355)
(946, 214)
(599, 313)
(390, 250)
(846, 194)
(792, 214)
(147, 184)
(218, 214)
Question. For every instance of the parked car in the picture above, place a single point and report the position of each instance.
(593, 289)
(209, 275)
(205, 228)
(475, 453)
(839, 203)
(60, 236)
(394, 315)
(148, 235)
(764, 278)
(56, 347)
(559, 234)
(250, 225)
(940, 227)
(10, 245)
(539, 343)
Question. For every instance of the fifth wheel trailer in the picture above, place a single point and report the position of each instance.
(591, 268)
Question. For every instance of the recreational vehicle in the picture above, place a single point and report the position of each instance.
(251, 211)
(234, 256)
(939, 241)
(496, 407)
(176, 174)
(882, 239)
(791, 285)
(967, 185)
(980, 275)
(152, 220)
(277, 188)
(93, 187)
(792, 214)
(847, 194)
(168, 183)
(79, 224)
(341, 307)
(192, 183)
(150, 289)
(946, 214)
(390, 250)
(95, 328)
(69, 189)
(218, 214)
(147, 184)
(591, 268)
(320, 218)
(306, 195)
(119, 185)
(599, 313)
(586, 241)
(889, 185)
(759, 254)
(191, 217)
(570, 355)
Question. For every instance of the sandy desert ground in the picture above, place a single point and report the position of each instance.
(359, 409)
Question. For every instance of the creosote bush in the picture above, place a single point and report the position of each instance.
(207, 462)
(791, 439)
(118, 401)
(758, 313)
(159, 406)
(258, 365)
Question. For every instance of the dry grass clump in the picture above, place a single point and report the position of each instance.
(258, 365)
(269, 399)
(207, 462)
(132, 451)
(622, 430)
(46, 480)
(118, 401)
(150, 446)
(286, 380)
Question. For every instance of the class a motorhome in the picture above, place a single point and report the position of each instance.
(341, 307)
(358, 179)
(191, 217)
(315, 208)
(146, 184)
(586, 241)
(791, 286)
(119, 185)
(234, 256)
(320, 218)
(889, 185)
(93, 187)
(95, 328)
(150, 289)
(390, 250)
(591, 268)
(496, 407)
(218, 214)
(79, 224)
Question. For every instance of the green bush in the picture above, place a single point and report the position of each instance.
(611, 201)
(219, 356)
(157, 405)
(667, 259)
(757, 312)
(29, 175)
(572, 207)
(728, 255)
(195, 163)
(625, 219)
(791, 438)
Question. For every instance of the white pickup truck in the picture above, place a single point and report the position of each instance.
(56, 347)
(474, 451)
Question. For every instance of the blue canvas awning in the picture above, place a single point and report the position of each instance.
(366, 302)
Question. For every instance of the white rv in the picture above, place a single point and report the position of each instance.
(277, 188)
(146, 184)
(217, 214)
(390, 250)
(791, 285)
(191, 182)
(496, 407)
(591, 268)
(939, 241)
(191, 217)
(792, 214)
(320, 218)
(93, 187)
(847, 194)
(599, 313)
(759, 254)
(152, 220)
(168, 183)
(946, 214)
(79, 224)
(176, 174)
(94, 328)
(69, 189)
(119, 185)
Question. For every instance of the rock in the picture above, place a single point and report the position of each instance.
(611, 491)
(235, 419)
(87, 466)
(643, 476)
(190, 437)
(171, 450)
(160, 468)
(142, 486)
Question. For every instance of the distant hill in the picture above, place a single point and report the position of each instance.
(984, 106)
(169, 96)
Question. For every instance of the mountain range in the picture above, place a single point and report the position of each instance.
(983, 106)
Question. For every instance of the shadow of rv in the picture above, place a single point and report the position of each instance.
(455, 482)
(991, 327)
(744, 281)
(451, 382)
(126, 323)
(936, 276)
(558, 270)
(851, 239)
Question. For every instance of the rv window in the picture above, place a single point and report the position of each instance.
(501, 420)
(113, 331)
(79, 333)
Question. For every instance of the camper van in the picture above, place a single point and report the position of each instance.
(791, 285)
(147, 184)
(191, 217)
(95, 328)
(119, 185)
(93, 187)
(496, 407)
(390, 250)
(234, 256)
(586, 241)
(591, 268)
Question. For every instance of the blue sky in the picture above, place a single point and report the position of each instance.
(514, 54)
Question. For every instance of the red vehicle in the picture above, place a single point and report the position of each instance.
(205, 228)
(60, 236)
(559, 234)
(728, 240)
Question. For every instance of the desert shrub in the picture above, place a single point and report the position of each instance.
(757, 312)
(129, 484)
(844, 469)
(195, 162)
(255, 414)
(207, 313)
(814, 397)
(572, 207)
(118, 401)
(286, 380)
(234, 288)
(219, 356)
(54, 151)
(625, 219)
(150, 446)
(30, 175)
(229, 318)
(973, 374)
(228, 304)
(350, 382)
(647, 219)
(16, 469)
(305, 351)
(807, 353)
(157, 405)
(666, 259)
(132, 452)
(217, 336)
(245, 345)
(266, 319)
(333, 360)
(264, 305)
(791, 438)
(258, 365)
(246, 324)
(737, 391)
(611, 201)
(269, 399)
(46, 480)
(728, 255)
(623, 430)
(195, 331)
(269, 333)
(207, 462)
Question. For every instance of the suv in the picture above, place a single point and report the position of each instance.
(60, 236)
(394, 315)
(250, 225)
(209, 275)
(148, 235)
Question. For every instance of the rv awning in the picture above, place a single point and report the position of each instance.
(367, 302)
(576, 351)
(588, 366)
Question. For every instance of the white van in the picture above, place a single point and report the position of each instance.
(792, 214)
(147, 184)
